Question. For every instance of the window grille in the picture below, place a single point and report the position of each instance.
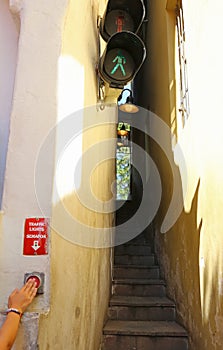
(184, 107)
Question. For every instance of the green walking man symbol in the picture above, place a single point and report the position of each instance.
(121, 60)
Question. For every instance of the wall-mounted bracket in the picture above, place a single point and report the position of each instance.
(100, 82)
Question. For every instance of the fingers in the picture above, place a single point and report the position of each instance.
(33, 292)
(29, 286)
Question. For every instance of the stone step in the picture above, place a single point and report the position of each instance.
(132, 271)
(133, 249)
(151, 328)
(141, 308)
(134, 259)
(138, 287)
(144, 335)
(124, 342)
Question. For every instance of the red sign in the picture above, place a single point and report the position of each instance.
(36, 236)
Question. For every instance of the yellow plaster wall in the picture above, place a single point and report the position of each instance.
(80, 275)
(191, 253)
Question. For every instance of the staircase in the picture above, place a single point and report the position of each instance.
(140, 316)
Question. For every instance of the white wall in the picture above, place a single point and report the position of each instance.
(8, 49)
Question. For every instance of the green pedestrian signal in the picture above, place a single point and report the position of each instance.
(120, 59)
(118, 65)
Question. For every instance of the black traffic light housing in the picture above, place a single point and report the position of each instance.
(122, 58)
(122, 15)
(125, 51)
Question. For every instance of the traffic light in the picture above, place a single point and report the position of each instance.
(125, 51)
(122, 15)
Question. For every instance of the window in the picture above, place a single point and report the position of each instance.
(183, 96)
(123, 162)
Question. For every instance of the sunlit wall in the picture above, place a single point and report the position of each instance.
(190, 252)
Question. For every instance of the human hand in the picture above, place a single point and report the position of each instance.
(20, 299)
